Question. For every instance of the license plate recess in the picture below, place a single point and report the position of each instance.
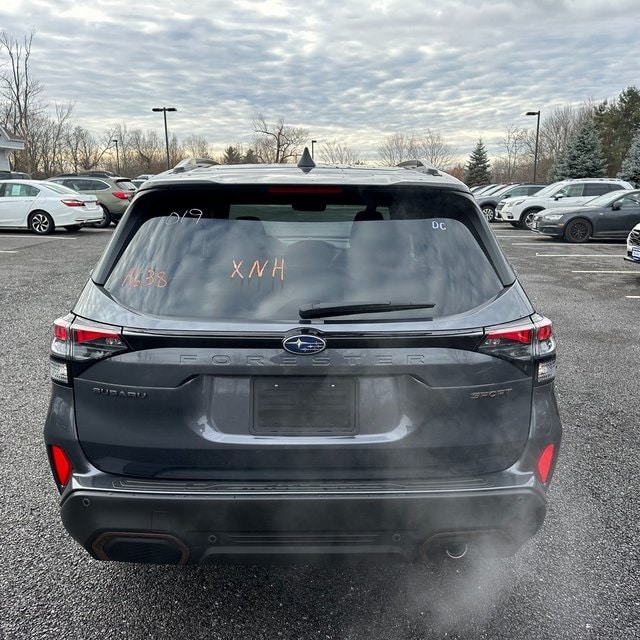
(305, 406)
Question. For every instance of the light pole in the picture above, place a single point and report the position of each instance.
(117, 156)
(313, 142)
(535, 152)
(166, 134)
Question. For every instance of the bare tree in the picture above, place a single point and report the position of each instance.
(432, 147)
(396, 148)
(337, 153)
(82, 149)
(196, 146)
(20, 92)
(429, 146)
(515, 144)
(276, 142)
(148, 152)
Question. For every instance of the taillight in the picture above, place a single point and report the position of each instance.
(70, 202)
(60, 465)
(545, 463)
(80, 342)
(123, 195)
(531, 342)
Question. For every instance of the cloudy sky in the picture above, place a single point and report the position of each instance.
(349, 71)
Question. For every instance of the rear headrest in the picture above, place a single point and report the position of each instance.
(368, 214)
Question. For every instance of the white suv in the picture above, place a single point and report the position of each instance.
(520, 211)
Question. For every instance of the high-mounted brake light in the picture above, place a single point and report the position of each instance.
(60, 465)
(304, 189)
(544, 465)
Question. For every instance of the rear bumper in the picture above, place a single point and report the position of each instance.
(183, 523)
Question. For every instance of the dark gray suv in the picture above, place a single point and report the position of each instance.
(295, 361)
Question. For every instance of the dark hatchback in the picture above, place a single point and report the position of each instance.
(611, 215)
(282, 361)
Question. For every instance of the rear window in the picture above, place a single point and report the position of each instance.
(126, 185)
(262, 258)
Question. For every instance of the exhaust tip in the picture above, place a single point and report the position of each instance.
(457, 551)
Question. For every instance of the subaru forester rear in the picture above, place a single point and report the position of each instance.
(282, 361)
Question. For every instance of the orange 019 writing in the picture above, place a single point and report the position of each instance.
(145, 278)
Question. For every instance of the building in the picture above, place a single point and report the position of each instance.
(8, 143)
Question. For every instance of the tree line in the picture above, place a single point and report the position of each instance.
(594, 139)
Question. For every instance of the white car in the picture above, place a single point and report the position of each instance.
(520, 211)
(41, 206)
(633, 245)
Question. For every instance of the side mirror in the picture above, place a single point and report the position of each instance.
(617, 205)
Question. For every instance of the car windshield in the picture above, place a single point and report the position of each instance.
(237, 260)
(550, 190)
(503, 190)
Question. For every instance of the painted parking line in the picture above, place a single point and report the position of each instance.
(526, 244)
(7, 251)
(633, 297)
(34, 237)
(631, 273)
(575, 255)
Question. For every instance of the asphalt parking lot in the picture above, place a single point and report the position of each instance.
(578, 578)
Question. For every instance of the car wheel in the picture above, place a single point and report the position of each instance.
(578, 230)
(106, 218)
(527, 218)
(41, 223)
(489, 213)
(73, 227)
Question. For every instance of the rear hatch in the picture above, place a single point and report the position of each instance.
(324, 334)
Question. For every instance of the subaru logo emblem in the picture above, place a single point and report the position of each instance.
(304, 344)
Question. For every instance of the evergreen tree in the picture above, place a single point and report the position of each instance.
(617, 123)
(583, 156)
(630, 170)
(477, 170)
(250, 157)
(232, 156)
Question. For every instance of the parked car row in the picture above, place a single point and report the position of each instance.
(519, 211)
(489, 202)
(41, 206)
(113, 192)
(70, 200)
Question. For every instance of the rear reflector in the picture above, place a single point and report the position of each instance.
(544, 466)
(58, 371)
(60, 465)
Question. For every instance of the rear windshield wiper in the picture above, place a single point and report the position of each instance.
(349, 308)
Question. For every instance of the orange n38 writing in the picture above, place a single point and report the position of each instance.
(145, 278)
